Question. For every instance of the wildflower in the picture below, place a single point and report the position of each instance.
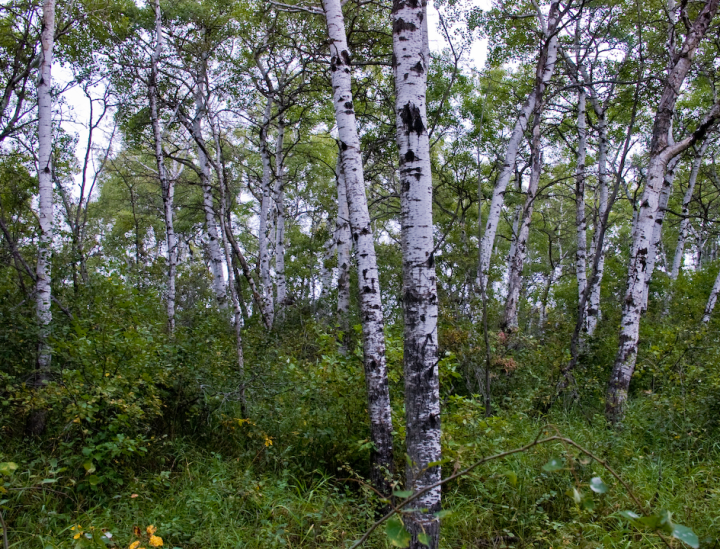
(134, 545)
(136, 531)
(151, 529)
(156, 541)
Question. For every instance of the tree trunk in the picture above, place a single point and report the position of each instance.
(517, 260)
(711, 300)
(544, 71)
(369, 284)
(265, 231)
(280, 280)
(235, 296)
(167, 186)
(593, 308)
(43, 290)
(213, 242)
(343, 244)
(411, 60)
(655, 247)
(660, 153)
(685, 221)
(580, 219)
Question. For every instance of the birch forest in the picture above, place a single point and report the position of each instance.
(359, 273)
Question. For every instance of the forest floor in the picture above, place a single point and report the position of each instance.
(543, 497)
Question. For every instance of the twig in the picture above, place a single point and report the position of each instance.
(4, 528)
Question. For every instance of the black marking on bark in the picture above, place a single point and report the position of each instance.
(405, 186)
(431, 261)
(333, 63)
(346, 57)
(46, 169)
(394, 61)
(348, 105)
(400, 4)
(412, 119)
(343, 146)
(401, 25)
(367, 289)
(409, 156)
(418, 67)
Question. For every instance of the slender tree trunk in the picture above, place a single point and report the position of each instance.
(343, 244)
(656, 243)
(369, 284)
(235, 296)
(593, 308)
(167, 186)
(544, 71)
(580, 214)
(517, 260)
(280, 281)
(43, 291)
(660, 154)
(411, 59)
(211, 228)
(712, 300)
(265, 232)
(685, 221)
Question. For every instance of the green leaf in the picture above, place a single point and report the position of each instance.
(598, 486)
(424, 539)
(403, 493)
(396, 533)
(94, 480)
(443, 514)
(512, 478)
(48, 480)
(629, 515)
(553, 465)
(576, 495)
(89, 467)
(686, 535)
(7, 468)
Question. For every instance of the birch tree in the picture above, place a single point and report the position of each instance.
(371, 312)
(411, 59)
(43, 272)
(661, 152)
(544, 70)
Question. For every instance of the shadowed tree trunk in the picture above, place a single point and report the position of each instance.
(342, 239)
(411, 59)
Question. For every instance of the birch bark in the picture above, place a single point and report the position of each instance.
(43, 290)
(411, 60)
(545, 69)
(279, 199)
(518, 259)
(657, 227)
(712, 300)
(660, 154)
(211, 228)
(685, 222)
(265, 230)
(342, 238)
(580, 214)
(369, 284)
(167, 186)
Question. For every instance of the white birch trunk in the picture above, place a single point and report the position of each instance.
(518, 258)
(43, 290)
(167, 186)
(580, 214)
(265, 231)
(280, 280)
(712, 300)
(655, 247)
(211, 228)
(235, 298)
(544, 72)
(411, 61)
(369, 284)
(685, 222)
(660, 153)
(326, 271)
(343, 244)
(593, 308)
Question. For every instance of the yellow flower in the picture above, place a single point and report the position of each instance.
(151, 529)
(156, 541)
(76, 536)
(268, 440)
(134, 545)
